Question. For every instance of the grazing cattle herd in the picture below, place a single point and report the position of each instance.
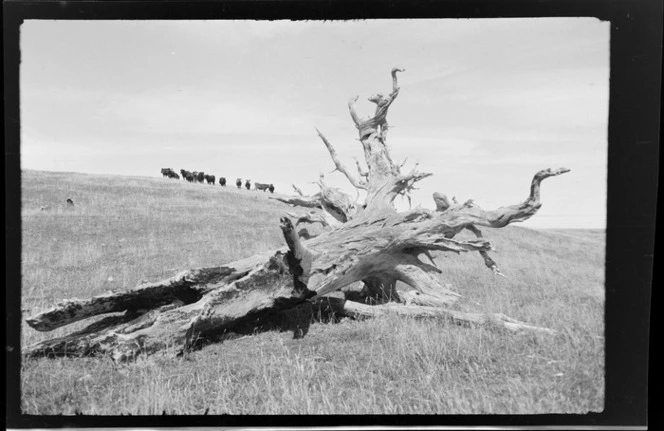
(202, 177)
(197, 177)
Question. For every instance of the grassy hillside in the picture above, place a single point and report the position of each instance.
(124, 230)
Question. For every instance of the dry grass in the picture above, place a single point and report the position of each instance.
(134, 229)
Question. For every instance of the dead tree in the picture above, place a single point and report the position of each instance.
(365, 249)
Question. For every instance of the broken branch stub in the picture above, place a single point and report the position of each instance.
(369, 245)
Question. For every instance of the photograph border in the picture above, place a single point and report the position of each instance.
(633, 149)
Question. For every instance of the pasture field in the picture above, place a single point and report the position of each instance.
(124, 230)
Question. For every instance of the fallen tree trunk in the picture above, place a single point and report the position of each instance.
(227, 305)
(366, 244)
(187, 287)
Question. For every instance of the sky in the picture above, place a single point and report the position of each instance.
(484, 103)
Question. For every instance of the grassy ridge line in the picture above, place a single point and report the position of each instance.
(124, 230)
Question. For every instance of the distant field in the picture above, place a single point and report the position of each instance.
(124, 230)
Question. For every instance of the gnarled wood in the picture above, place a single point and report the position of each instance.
(368, 251)
(340, 166)
(187, 287)
(332, 201)
(177, 326)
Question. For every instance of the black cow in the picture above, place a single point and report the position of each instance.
(260, 186)
(184, 173)
(222, 181)
(173, 175)
(248, 184)
(200, 177)
(271, 188)
(210, 179)
(238, 183)
(190, 177)
(166, 171)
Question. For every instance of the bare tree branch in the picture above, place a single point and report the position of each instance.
(360, 170)
(442, 205)
(493, 320)
(490, 263)
(302, 201)
(353, 111)
(297, 190)
(395, 86)
(469, 213)
(377, 123)
(337, 162)
(308, 217)
(404, 184)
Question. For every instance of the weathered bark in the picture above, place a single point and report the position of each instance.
(229, 304)
(366, 244)
(331, 206)
(187, 287)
